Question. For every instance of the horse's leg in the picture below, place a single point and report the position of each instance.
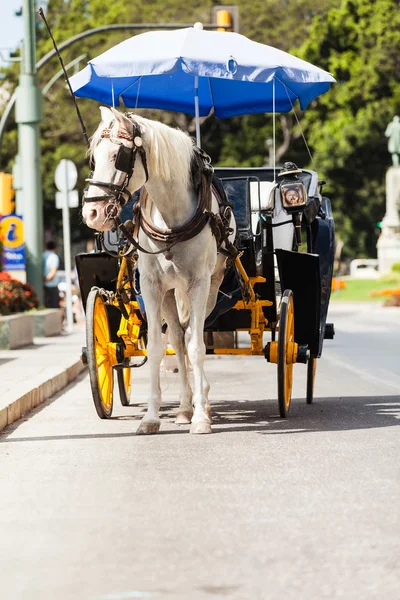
(198, 294)
(216, 280)
(152, 297)
(177, 339)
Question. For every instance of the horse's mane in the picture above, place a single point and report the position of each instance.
(169, 151)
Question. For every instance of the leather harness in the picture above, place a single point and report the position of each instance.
(204, 182)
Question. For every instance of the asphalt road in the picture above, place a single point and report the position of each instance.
(303, 508)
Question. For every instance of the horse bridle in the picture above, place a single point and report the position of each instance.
(124, 162)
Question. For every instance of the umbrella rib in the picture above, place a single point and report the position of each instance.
(211, 93)
(287, 88)
(129, 86)
(298, 123)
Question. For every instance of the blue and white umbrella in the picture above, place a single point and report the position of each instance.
(194, 71)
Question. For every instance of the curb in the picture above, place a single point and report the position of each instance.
(20, 407)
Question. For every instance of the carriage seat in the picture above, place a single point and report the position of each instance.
(262, 197)
(266, 199)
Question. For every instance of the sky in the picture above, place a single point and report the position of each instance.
(11, 27)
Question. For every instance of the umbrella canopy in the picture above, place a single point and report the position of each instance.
(234, 75)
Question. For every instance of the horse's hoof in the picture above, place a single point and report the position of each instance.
(184, 417)
(147, 427)
(200, 427)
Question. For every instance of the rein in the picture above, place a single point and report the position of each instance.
(172, 236)
(204, 182)
(191, 227)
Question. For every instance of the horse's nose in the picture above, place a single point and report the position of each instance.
(93, 214)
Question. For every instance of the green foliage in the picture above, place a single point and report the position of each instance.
(361, 290)
(396, 268)
(359, 42)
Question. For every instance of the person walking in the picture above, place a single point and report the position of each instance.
(51, 263)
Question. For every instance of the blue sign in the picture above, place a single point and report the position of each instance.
(12, 237)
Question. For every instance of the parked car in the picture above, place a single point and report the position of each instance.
(364, 268)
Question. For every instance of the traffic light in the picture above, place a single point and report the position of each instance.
(224, 20)
(7, 194)
(226, 17)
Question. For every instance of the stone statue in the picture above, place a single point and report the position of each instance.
(393, 133)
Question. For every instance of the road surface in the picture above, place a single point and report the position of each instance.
(265, 508)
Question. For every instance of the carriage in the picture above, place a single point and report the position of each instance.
(277, 287)
(266, 281)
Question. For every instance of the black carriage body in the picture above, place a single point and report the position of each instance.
(96, 269)
(307, 274)
(99, 269)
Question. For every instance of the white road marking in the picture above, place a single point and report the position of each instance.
(364, 374)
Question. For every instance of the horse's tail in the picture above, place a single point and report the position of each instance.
(182, 305)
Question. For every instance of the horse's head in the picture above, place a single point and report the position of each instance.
(119, 168)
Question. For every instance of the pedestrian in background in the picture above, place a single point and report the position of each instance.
(51, 263)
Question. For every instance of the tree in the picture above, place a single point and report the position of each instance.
(316, 26)
(359, 43)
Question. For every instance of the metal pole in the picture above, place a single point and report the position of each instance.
(67, 254)
(196, 110)
(28, 116)
(273, 129)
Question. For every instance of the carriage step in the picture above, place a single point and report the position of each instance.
(329, 331)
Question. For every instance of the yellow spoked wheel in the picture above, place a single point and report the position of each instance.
(311, 370)
(124, 385)
(286, 337)
(100, 360)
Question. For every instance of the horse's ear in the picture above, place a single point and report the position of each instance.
(106, 114)
(122, 119)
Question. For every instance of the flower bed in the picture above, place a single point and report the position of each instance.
(15, 296)
(16, 328)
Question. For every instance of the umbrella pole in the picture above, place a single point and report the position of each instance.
(273, 128)
(196, 110)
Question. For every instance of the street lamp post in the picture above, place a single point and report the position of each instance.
(29, 113)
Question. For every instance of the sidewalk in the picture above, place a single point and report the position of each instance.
(32, 374)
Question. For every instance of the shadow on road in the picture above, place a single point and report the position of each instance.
(326, 414)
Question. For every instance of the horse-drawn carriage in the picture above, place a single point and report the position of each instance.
(273, 288)
(214, 256)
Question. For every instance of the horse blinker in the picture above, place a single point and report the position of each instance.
(124, 159)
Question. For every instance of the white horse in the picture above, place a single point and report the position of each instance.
(179, 286)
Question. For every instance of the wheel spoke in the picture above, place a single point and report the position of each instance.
(101, 329)
(101, 357)
(105, 385)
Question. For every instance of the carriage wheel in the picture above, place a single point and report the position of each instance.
(311, 369)
(124, 386)
(101, 370)
(286, 337)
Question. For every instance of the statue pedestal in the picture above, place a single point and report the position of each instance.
(389, 241)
